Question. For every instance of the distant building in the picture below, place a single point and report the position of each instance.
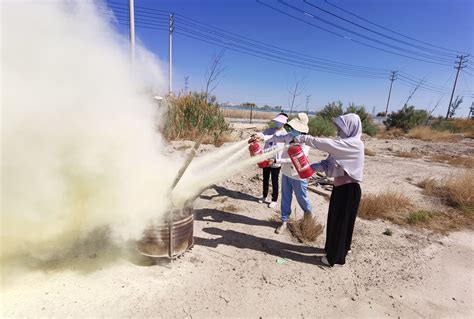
(471, 112)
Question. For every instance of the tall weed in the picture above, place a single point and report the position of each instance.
(193, 116)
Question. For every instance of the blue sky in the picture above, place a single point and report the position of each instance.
(445, 23)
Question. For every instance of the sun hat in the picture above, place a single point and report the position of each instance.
(281, 118)
(300, 123)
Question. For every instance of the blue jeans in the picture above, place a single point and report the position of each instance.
(288, 185)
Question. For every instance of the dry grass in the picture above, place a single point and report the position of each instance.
(454, 160)
(369, 152)
(275, 218)
(245, 114)
(456, 191)
(428, 184)
(390, 134)
(463, 125)
(426, 133)
(390, 205)
(305, 230)
(397, 208)
(443, 221)
(192, 117)
(230, 208)
(407, 154)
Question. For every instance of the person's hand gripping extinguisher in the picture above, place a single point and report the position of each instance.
(255, 149)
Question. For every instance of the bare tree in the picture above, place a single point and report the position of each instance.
(457, 102)
(296, 91)
(214, 71)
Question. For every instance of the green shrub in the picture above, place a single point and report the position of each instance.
(319, 126)
(453, 125)
(441, 124)
(406, 118)
(192, 115)
(331, 111)
(368, 126)
(334, 109)
(419, 216)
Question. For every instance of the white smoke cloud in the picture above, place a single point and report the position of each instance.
(79, 143)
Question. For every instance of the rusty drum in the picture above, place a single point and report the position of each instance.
(161, 240)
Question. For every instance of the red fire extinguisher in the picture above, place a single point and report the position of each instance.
(255, 149)
(300, 161)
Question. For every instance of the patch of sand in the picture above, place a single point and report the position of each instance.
(236, 268)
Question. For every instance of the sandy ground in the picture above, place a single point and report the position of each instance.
(240, 268)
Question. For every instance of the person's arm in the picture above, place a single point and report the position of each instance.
(321, 166)
(286, 139)
(328, 145)
(283, 160)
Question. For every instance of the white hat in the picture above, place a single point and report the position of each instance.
(281, 118)
(300, 123)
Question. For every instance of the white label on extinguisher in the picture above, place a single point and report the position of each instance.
(298, 163)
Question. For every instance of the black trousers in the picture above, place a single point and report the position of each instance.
(342, 214)
(275, 173)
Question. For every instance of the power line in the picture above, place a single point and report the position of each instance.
(345, 37)
(407, 77)
(420, 86)
(247, 41)
(271, 57)
(254, 43)
(379, 33)
(293, 58)
(240, 44)
(433, 58)
(390, 30)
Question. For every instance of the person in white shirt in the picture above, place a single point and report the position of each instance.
(291, 182)
(273, 170)
(346, 164)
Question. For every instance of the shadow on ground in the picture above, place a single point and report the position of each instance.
(219, 216)
(222, 191)
(299, 253)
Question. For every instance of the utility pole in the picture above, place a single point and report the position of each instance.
(170, 69)
(186, 83)
(307, 102)
(251, 112)
(393, 77)
(461, 65)
(131, 10)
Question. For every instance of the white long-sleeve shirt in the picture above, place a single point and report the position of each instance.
(287, 167)
(271, 144)
(346, 155)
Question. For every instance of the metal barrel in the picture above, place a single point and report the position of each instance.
(156, 238)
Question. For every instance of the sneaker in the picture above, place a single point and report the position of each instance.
(262, 200)
(281, 228)
(272, 204)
